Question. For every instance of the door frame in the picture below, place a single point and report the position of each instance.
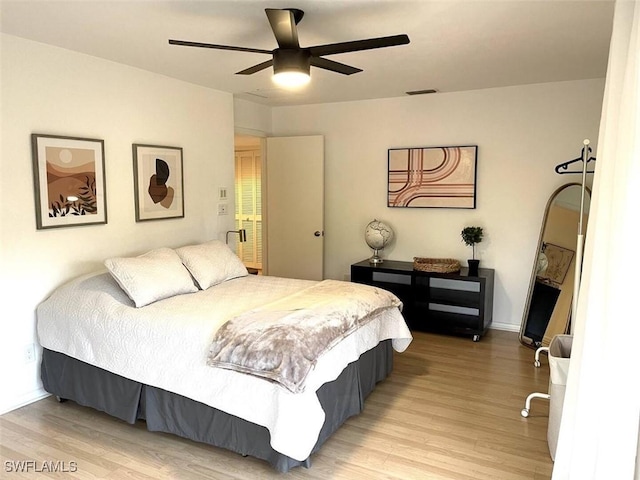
(262, 136)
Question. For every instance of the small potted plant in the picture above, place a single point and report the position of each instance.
(471, 236)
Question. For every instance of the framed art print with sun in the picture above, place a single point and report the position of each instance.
(69, 181)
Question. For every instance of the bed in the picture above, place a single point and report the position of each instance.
(190, 343)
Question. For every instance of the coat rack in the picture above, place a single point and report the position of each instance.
(563, 169)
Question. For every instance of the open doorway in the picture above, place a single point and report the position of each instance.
(248, 201)
(292, 244)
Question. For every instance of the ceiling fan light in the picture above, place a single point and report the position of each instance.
(291, 78)
(291, 68)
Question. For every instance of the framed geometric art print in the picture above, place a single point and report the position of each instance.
(432, 177)
(159, 186)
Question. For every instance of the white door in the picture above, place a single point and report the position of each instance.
(294, 183)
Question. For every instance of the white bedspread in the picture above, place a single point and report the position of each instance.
(165, 345)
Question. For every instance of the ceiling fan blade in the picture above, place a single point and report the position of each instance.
(185, 43)
(255, 68)
(334, 66)
(284, 27)
(357, 45)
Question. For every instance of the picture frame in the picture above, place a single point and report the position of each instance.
(158, 182)
(69, 181)
(558, 260)
(432, 177)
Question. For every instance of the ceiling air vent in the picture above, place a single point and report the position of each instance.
(422, 92)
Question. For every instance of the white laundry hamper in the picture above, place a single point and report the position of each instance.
(559, 357)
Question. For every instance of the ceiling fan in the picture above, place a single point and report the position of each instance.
(290, 61)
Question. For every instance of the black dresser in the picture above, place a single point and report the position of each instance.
(452, 303)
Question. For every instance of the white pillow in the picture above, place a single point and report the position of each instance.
(211, 263)
(151, 277)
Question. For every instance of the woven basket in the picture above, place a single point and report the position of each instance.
(438, 265)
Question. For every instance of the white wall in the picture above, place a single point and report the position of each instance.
(251, 118)
(54, 91)
(521, 133)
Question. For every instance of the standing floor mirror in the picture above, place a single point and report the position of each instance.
(547, 310)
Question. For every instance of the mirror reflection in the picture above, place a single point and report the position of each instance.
(548, 307)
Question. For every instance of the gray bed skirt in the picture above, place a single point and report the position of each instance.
(163, 411)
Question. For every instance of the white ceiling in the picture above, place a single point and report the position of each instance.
(455, 45)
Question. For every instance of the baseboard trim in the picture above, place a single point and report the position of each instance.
(509, 327)
(25, 399)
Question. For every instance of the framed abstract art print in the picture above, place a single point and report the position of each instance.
(432, 177)
(159, 186)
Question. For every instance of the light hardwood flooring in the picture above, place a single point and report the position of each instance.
(450, 410)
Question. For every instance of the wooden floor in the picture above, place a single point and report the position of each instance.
(450, 410)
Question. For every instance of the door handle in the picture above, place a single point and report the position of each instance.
(317, 233)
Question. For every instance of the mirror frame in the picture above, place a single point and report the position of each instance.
(526, 341)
